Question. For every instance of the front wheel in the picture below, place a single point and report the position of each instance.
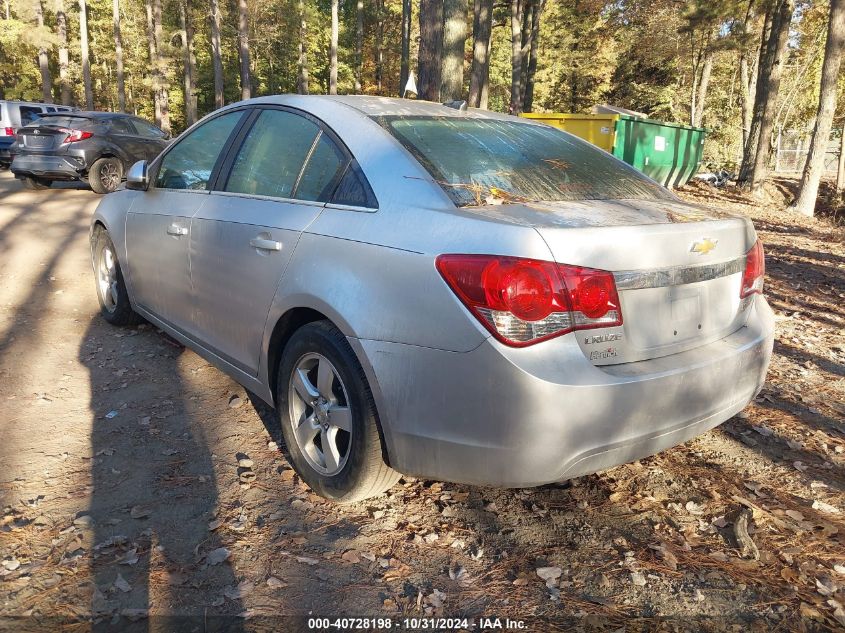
(111, 289)
(105, 175)
(31, 182)
(329, 420)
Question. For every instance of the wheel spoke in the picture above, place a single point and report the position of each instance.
(341, 417)
(304, 389)
(331, 454)
(325, 380)
(113, 290)
(306, 432)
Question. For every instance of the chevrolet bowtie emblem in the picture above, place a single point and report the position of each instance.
(704, 246)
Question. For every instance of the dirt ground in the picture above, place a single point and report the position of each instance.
(123, 506)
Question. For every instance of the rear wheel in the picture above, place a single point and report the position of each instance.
(329, 420)
(31, 182)
(105, 175)
(111, 289)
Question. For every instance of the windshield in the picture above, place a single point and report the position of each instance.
(66, 121)
(488, 161)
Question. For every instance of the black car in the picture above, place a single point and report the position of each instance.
(94, 147)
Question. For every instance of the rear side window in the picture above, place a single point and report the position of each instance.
(146, 129)
(190, 163)
(120, 126)
(272, 159)
(482, 161)
(29, 114)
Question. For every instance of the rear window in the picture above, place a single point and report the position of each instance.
(67, 121)
(483, 161)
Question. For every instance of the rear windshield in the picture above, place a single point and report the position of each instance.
(484, 161)
(67, 121)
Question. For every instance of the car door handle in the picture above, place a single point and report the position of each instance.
(265, 245)
(175, 229)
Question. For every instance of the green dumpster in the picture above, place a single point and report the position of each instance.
(667, 152)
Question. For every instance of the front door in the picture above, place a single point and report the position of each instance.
(244, 236)
(158, 225)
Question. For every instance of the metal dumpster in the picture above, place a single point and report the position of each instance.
(667, 152)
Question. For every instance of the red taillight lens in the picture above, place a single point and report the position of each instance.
(755, 269)
(75, 135)
(524, 301)
(7, 131)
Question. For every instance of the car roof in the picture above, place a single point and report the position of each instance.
(371, 106)
(86, 114)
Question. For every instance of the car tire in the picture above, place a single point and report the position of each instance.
(111, 288)
(105, 174)
(339, 465)
(30, 182)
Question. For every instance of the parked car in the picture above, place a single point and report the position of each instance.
(94, 147)
(447, 293)
(16, 114)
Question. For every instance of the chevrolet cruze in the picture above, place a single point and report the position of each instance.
(441, 292)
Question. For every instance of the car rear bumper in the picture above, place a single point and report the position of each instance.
(524, 417)
(46, 166)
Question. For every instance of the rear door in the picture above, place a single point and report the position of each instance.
(122, 133)
(242, 239)
(158, 226)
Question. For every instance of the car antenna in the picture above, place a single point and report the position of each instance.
(459, 105)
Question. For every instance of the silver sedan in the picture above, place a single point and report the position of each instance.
(441, 292)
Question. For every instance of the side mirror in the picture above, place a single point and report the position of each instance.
(136, 178)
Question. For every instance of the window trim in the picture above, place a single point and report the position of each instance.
(154, 167)
(222, 179)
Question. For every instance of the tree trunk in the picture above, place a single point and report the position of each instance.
(359, 44)
(482, 28)
(814, 166)
(64, 60)
(163, 90)
(454, 43)
(525, 47)
(431, 48)
(118, 56)
(86, 61)
(43, 60)
(333, 50)
(151, 49)
(405, 63)
(753, 170)
(840, 167)
(517, 10)
(216, 61)
(189, 61)
(703, 84)
(379, 45)
(302, 71)
(528, 101)
(243, 49)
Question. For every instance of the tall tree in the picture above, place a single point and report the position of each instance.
(216, 60)
(43, 61)
(770, 67)
(405, 60)
(163, 90)
(813, 168)
(840, 167)
(333, 50)
(517, 11)
(189, 61)
(243, 49)
(379, 49)
(64, 59)
(359, 45)
(531, 71)
(454, 42)
(118, 56)
(482, 28)
(302, 64)
(153, 55)
(701, 87)
(86, 60)
(431, 48)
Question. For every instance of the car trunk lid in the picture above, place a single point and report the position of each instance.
(678, 269)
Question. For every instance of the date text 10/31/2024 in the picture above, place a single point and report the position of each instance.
(417, 624)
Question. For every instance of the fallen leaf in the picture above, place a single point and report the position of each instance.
(240, 591)
(217, 556)
(120, 583)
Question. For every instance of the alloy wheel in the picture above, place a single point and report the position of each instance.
(107, 278)
(109, 176)
(320, 414)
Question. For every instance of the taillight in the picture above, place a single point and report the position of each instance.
(755, 268)
(75, 135)
(524, 301)
(7, 131)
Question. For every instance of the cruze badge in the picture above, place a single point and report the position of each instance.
(704, 246)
